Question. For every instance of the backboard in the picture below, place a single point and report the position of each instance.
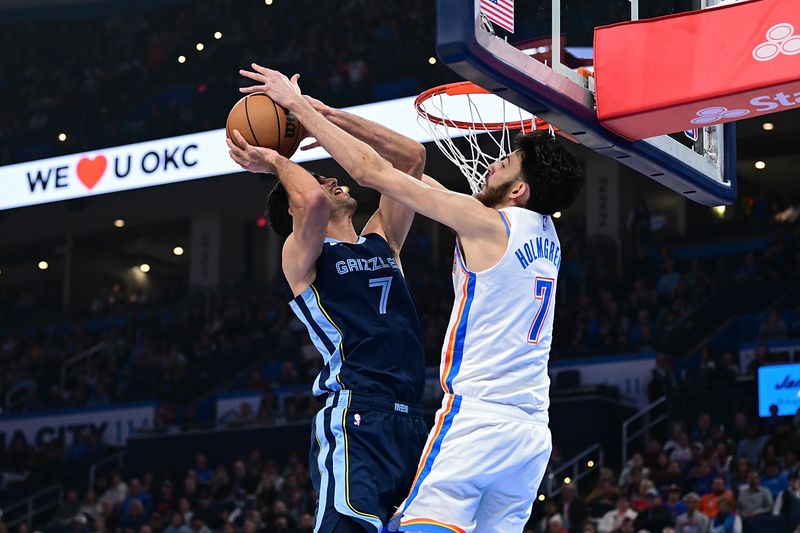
(525, 69)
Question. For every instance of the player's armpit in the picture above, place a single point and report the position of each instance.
(299, 264)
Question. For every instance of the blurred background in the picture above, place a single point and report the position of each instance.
(152, 377)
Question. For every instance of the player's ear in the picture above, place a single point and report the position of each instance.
(519, 191)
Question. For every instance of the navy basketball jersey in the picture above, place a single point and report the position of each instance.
(361, 317)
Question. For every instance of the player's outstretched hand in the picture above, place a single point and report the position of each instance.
(282, 90)
(249, 157)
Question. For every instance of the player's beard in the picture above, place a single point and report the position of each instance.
(494, 196)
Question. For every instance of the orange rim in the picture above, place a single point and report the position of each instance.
(462, 88)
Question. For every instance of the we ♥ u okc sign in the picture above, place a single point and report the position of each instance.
(116, 169)
(147, 164)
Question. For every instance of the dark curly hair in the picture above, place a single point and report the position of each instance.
(553, 175)
(277, 211)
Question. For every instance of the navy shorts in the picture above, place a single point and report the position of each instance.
(364, 456)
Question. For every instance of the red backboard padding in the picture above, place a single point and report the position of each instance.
(700, 68)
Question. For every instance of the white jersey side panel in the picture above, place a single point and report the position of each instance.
(498, 340)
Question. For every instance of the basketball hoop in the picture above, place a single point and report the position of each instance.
(464, 110)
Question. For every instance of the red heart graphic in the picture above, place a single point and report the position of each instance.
(91, 170)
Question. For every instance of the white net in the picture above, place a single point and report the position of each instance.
(473, 130)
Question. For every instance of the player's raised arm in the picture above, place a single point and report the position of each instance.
(309, 205)
(465, 214)
(393, 219)
(405, 154)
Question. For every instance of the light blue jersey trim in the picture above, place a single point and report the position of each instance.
(332, 334)
(324, 448)
(331, 240)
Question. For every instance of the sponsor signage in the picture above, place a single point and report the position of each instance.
(779, 385)
(629, 373)
(115, 424)
(159, 162)
(229, 405)
(751, 72)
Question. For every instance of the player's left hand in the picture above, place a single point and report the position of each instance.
(249, 157)
(282, 90)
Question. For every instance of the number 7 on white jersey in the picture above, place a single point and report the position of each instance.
(543, 289)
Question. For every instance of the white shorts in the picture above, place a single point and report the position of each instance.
(480, 471)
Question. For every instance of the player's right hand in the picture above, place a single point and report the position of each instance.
(249, 157)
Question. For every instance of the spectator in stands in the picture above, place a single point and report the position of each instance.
(728, 370)
(549, 510)
(693, 520)
(138, 494)
(627, 526)
(668, 281)
(572, 508)
(674, 504)
(676, 430)
(185, 510)
(177, 524)
(67, 510)
(750, 447)
(134, 515)
(603, 501)
(166, 502)
(721, 459)
(754, 499)
(613, 519)
(725, 521)
(654, 517)
(702, 477)
(202, 472)
(80, 524)
(117, 490)
(90, 507)
(787, 504)
(635, 463)
(773, 479)
(639, 500)
(652, 454)
(703, 432)
(682, 453)
(709, 503)
(773, 328)
(556, 524)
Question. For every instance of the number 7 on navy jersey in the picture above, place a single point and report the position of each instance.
(385, 284)
(543, 289)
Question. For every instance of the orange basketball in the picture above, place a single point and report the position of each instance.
(264, 123)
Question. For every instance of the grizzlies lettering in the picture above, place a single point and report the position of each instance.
(538, 248)
(365, 265)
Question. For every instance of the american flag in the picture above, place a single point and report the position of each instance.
(501, 12)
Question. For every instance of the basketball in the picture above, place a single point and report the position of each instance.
(264, 123)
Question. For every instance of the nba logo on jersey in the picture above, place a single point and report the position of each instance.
(357, 419)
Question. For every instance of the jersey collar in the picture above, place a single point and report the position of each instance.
(331, 240)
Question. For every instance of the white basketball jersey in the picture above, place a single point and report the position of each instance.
(501, 328)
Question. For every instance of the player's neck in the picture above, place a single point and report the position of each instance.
(341, 229)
